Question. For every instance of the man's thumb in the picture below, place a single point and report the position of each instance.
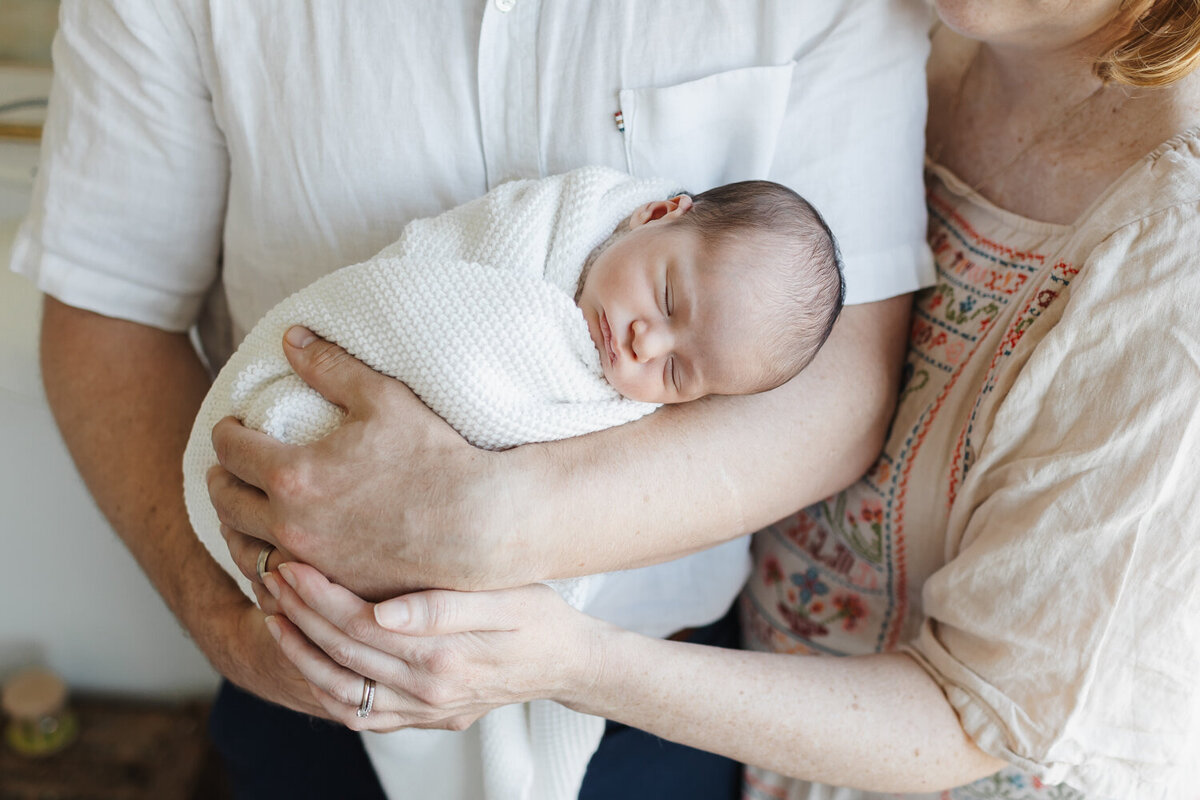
(336, 375)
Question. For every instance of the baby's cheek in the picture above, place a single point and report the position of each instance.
(639, 390)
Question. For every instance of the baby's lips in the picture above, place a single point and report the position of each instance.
(596, 337)
(606, 333)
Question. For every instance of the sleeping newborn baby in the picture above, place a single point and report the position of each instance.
(732, 292)
(546, 309)
(478, 310)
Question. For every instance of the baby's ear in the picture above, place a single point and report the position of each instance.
(683, 204)
(660, 209)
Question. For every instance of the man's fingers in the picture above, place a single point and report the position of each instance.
(338, 376)
(239, 506)
(245, 550)
(253, 457)
(266, 603)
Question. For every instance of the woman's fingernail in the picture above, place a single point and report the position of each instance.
(272, 584)
(286, 571)
(393, 614)
(273, 628)
(298, 336)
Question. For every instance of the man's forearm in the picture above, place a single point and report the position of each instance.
(124, 397)
(394, 499)
(691, 476)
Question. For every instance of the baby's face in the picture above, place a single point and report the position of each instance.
(670, 324)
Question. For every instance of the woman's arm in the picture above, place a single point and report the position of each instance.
(396, 500)
(876, 722)
(873, 722)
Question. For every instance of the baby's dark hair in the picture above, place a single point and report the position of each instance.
(802, 299)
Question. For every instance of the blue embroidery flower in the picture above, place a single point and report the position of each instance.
(966, 305)
(809, 584)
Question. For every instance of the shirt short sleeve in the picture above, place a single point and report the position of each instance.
(1065, 628)
(853, 140)
(127, 207)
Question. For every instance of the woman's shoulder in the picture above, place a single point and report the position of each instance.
(1162, 187)
(1150, 218)
(1137, 272)
(1173, 168)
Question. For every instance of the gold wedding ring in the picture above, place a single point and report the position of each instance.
(261, 566)
(368, 697)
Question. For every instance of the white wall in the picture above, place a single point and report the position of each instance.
(71, 597)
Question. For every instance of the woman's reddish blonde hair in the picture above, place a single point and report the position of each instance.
(1160, 46)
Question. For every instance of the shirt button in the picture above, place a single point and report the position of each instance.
(505, 6)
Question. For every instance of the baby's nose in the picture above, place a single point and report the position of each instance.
(649, 341)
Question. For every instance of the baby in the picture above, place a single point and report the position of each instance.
(553, 308)
(730, 292)
(478, 310)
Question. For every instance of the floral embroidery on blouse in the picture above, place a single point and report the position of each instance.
(833, 578)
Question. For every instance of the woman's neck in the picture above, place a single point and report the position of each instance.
(1029, 85)
(1038, 133)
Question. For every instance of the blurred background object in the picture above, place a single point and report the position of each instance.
(23, 98)
(110, 749)
(26, 32)
(26, 29)
(40, 723)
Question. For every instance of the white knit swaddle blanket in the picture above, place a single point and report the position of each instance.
(474, 310)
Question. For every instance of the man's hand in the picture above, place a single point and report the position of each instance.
(251, 659)
(380, 505)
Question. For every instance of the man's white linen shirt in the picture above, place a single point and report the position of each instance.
(266, 144)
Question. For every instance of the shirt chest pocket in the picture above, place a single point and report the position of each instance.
(707, 132)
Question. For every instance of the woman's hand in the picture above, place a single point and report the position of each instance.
(440, 659)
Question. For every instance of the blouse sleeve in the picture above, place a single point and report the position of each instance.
(1065, 628)
(128, 205)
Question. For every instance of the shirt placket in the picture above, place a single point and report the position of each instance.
(508, 90)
